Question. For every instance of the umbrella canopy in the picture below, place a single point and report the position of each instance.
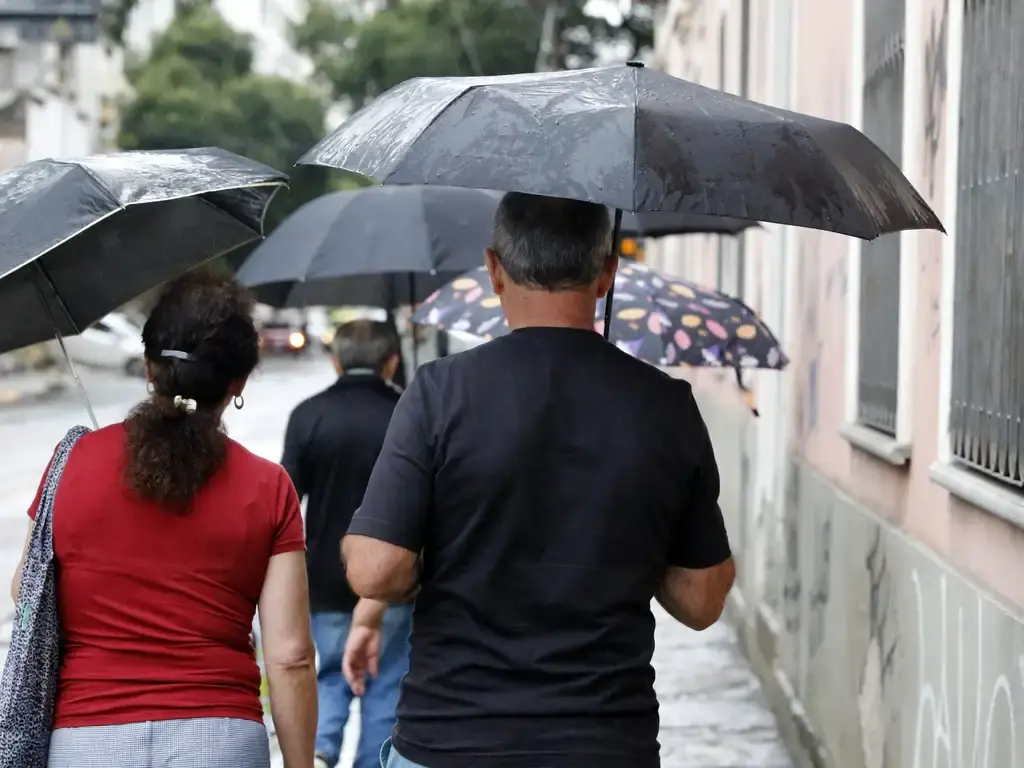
(658, 318)
(663, 223)
(82, 237)
(377, 246)
(632, 138)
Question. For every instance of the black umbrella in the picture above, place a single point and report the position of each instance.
(633, 138)
(662, 223)
(84, 236)
(376, 246)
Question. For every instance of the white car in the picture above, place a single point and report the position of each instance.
(114, 342)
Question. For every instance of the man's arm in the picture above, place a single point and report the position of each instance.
(295, 437)
(388, 531)
(700, 569)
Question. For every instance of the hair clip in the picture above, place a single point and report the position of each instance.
(185, 404)
(176, 354)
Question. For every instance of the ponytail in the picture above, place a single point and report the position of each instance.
(171, 453)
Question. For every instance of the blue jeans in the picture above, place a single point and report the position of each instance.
(389, 758)
(377, 707)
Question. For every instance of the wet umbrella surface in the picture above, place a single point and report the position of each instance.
(378, 246)
(658, 318)
(82, 237)
(631, 138)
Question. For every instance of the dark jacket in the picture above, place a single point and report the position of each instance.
(330, 447)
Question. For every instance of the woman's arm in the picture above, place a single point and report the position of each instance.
(289, 656)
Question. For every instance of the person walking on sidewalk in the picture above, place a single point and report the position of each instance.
(167, 536)
(540, 490)
(331, 444)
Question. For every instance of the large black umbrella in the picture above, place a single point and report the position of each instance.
(662, 223)
(633, 138)
(376, 246)
(82, 237)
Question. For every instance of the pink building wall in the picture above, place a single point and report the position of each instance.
(866, 589)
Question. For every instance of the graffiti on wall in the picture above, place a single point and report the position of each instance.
(967, 711)
(821, 586)
(791, 586)
(881, 654)
(881, 630)
(934, 92)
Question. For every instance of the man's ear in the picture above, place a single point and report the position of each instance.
(606, 279)
(495, 271)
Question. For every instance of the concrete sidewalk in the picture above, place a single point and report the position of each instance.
(712, 711)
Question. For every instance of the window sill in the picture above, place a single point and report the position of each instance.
(988, 495)
(879, 445)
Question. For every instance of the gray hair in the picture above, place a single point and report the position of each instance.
(365, 344)
(551, 243)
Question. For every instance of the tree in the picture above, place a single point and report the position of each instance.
(359, 54)
(197, 88)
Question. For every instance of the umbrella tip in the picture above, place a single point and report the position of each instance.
(635, 63)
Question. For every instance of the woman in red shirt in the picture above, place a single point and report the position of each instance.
(167, 536)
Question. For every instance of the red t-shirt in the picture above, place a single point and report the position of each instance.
(157, 607)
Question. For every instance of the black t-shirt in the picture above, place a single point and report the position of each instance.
(548, 479)
(330, 447)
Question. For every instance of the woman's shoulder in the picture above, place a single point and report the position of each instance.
(255, 467)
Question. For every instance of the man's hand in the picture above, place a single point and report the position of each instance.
(362, 650)
(362, 654)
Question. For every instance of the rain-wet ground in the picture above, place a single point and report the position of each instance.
(713, 714)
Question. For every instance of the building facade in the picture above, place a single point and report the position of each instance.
(876, 505)
(268, 21)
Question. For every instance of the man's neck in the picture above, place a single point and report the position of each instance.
(540, 309)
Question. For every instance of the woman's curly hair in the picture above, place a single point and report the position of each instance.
(172, 453)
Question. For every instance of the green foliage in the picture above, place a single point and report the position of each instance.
(197, 88)
(360, 55)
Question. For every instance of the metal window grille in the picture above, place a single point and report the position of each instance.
(884, 26)
(988, 320)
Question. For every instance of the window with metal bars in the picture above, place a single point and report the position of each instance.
(884, 27)
(988, 316)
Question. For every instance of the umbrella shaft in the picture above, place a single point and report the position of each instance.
(616, 231)
(42, 276)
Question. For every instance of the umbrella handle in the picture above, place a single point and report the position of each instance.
(745, 389)
(609, 297)
(60, 339)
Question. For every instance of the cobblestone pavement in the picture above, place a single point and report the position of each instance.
(712, 712)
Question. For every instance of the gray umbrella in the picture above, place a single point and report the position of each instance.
(84, 236)
(376, 246)
(631, 138)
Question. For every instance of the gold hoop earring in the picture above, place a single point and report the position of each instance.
(239, 402)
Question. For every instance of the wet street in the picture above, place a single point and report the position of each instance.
(712, 712)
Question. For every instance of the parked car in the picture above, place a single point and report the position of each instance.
(284, 331)
(114, 342)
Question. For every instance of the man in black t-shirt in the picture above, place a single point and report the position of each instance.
(539, 490)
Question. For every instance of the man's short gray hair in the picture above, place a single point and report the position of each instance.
(551, 243)
(368, 344)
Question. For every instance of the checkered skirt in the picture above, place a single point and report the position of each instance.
(195, 743)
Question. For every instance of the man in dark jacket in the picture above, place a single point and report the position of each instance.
(331, 444)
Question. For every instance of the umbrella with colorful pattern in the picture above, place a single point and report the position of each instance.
(658, 318)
